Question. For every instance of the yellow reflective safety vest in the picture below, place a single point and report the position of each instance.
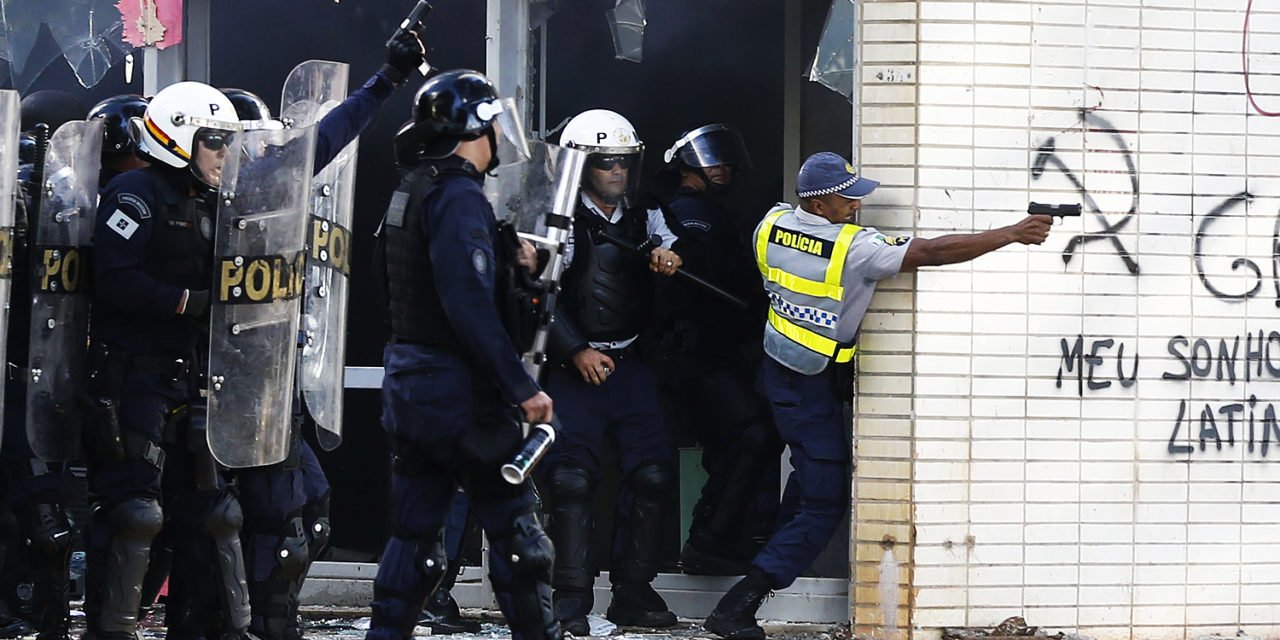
(803, 267)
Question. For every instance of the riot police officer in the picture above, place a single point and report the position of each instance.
(713, 347)
(454, 387)
(810, 340)
(605, 391)
(287, 505)
(34, 523)
(152, 271)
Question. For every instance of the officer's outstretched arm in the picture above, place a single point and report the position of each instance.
(120, 235)
(348, 120)
(952, 249)
(461, 252)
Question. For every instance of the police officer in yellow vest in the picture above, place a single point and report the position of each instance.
(820, 269)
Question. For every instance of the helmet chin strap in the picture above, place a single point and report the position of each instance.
(201, 183)
(493, 152)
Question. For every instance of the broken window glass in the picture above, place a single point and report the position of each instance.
(626, 21)
(540, 11)
(833, 66)
(88, 34)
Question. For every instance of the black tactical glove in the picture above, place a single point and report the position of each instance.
(404, 55)
(197, 304)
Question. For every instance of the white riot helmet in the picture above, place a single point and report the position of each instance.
(176, 114)
(612, 174)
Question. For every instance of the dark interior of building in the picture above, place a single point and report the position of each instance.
(704, 61)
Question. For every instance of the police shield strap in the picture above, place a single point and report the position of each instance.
(313, 89)
(259, 267)
(62, 235)
(9, 124)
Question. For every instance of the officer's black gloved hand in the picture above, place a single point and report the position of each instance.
(404, 55)
(197, 305)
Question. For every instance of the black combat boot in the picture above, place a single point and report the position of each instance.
(441, 613)
(701, 556)
(571, 608)
(638, 605)
(12, 626)
(734, 617)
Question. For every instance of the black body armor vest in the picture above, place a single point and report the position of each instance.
(417, 313)
(607, 288)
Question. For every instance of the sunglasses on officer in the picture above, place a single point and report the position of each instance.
(214, 140)
(607, 163)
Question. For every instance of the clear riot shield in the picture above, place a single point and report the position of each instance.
(537, 197)
(62, 237)
(313, 89)
(259, 260)
(9, 125)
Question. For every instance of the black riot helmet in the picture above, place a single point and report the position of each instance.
(251, 110)
(449, 108)
(51, 107)
(709, 146)
(116, 113)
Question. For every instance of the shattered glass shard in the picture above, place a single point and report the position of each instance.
(87, 33)
(836, 59)
(627, 23)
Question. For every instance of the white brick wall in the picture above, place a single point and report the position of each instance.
(1035, 490)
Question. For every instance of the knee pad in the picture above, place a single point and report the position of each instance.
(47, 529)
(315, 516)
(651, 481)
(318, 531)
(225, 518)
(530, 550)
(291, 554)
(431, 560)
(137, 519)
(571, 483)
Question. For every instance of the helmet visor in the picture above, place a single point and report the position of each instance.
(508, 129)
(710, 146)
(612, 179)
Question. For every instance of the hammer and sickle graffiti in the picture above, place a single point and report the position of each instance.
(1047, 157)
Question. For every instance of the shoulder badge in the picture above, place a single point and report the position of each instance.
(140, 208)
(122, 224)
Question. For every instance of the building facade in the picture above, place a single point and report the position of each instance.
(1083, 433)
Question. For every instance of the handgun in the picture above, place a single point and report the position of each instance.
(1055, 210)
(415, 22)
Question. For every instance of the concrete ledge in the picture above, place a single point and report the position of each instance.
(809, 600)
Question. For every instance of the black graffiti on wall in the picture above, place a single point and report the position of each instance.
(1046, 156)
(1086, 364)
(1214, 420)
(1244, 358)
